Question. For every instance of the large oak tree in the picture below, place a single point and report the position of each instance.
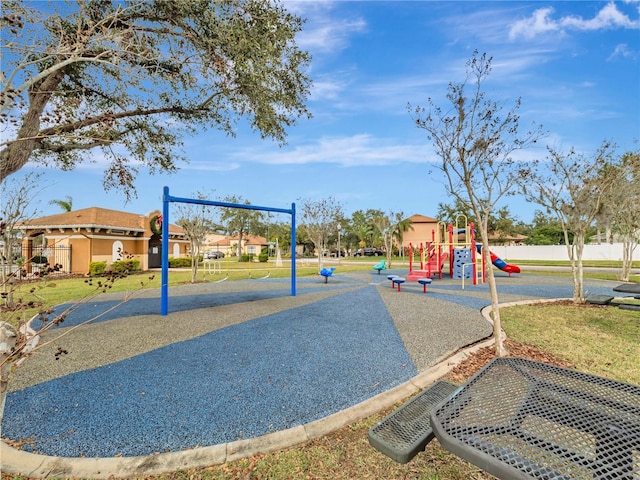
(130, 78)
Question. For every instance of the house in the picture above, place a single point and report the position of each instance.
(423, 229)
(499, 238)
(77, 238)
(251, 244)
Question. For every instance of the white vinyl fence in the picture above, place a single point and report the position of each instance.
(609, 251)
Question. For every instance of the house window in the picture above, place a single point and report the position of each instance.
(117, 251)
(251, 249)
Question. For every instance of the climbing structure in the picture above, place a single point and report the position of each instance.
(453, 243)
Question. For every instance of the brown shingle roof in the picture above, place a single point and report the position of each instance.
(422, 219)
(93, 217)
(90, 217)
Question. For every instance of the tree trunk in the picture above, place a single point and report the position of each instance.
(194, 267)
(239, 249)
(500, 350)
(17, 154)
(575, 255)
(8, 337)
(628, 246)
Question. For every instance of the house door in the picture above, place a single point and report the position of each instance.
(155, 251)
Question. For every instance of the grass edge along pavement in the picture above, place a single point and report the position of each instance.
(230, 459)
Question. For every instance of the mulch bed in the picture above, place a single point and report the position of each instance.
(468, 367)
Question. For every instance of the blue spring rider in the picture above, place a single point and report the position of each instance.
(326, 273)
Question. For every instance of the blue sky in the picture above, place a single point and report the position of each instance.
(575, 65)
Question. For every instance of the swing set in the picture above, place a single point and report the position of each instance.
(167, 199)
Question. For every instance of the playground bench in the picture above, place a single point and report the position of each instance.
(406, 432)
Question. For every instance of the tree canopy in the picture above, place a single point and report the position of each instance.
(130, 78)
(574, 188)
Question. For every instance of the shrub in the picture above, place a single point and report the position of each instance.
(263, 257)
(39, 259)
(184, 262)
(247, 257)
(122, 266)
(97, 268)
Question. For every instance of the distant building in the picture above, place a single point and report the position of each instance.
(77, 238)
(423, 229)
(251, 244)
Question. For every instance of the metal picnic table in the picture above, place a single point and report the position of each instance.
(628, 288)
(520, 419)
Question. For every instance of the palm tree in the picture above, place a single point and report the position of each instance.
(401, 226)
(65, 205)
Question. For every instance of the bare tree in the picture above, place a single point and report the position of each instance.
(385, 224)
(475, 144)
(572, 187)
(319, 219)
(623, 206)
(18, 340)
(195, 221)
(130, 78)
(16, 207)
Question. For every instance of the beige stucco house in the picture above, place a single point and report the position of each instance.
(77, 238)
(251, 244)
(423, 229)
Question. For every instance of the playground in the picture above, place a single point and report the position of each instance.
(243, 365)
(451, 248)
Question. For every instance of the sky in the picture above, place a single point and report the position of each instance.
(574, 64)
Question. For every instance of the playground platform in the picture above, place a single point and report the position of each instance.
(237, 368)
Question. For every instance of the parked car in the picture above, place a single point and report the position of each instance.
(213, 255)
(334, 253)
(369, 252)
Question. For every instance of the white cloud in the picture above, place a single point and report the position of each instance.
(324, 33)
(622, 50)
(541, 22)
(329, 86)
(608, 17)
(354, 151)
(210, 166)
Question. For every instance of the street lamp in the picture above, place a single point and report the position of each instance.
(339, 254)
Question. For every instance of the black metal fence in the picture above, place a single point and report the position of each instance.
(40, 258)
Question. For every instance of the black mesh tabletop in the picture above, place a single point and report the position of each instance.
(519, 419)
(628, 288)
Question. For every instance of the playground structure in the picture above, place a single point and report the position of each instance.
(457, 245)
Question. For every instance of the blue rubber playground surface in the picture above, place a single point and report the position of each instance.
(280, 364)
